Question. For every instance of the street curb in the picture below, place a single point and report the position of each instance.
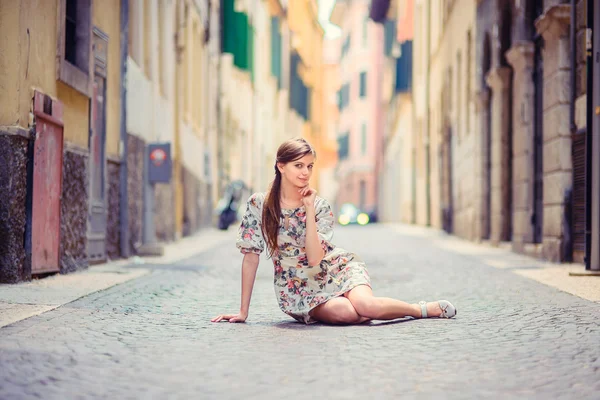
(25, 300)
(559, 276)
(28, 299)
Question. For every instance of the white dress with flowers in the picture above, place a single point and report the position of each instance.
(299, 287)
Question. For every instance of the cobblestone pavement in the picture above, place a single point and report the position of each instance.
(152, 337)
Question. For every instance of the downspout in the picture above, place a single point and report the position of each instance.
(573, 129)
(124, 199)
(220, 163)
(572, 124)
(588, 139)
(427, 122)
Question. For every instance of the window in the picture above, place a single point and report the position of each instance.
(468, 82)
(161, 48)
(363, 194)
(363, 135)
(343, 146)
(344, 96)
(459, 99)
(346, 46)
(148, 50)
(75, 44)
(276, 50)
(363, 84)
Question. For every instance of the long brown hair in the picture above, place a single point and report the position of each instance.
(290, 150)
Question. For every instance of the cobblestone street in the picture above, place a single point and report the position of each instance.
(152, 337)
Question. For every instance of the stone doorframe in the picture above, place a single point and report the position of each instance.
(521, 58)
(553, 25)
(482, 217)
(499, 79)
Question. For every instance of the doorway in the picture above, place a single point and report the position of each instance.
(97, 213)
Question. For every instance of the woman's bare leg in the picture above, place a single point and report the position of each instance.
(385, 308)
(339, 311)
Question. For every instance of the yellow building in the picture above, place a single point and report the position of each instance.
(87, 87)
(307, 41)
(168, 80)
(73, 126)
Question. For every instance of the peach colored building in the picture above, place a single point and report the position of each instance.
(360, 124)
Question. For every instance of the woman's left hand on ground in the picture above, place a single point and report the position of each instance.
(308, 196)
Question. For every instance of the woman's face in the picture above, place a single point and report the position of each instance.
(298, 172)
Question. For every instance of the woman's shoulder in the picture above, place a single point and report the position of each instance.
(320, 202)
(257, 199)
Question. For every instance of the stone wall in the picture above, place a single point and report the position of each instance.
(164, 212)
(74, 210)
(135, 190)
(558, 180)
(113, 231)
(13, 192)
(191, 209)
(206, 204)
(197, 205)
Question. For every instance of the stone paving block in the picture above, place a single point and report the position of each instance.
(152, 337)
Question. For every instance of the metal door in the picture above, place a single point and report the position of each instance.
(96, 232)
(47, 184)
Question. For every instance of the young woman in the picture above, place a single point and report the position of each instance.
(314, 279)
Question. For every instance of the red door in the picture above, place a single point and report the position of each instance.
(47, 183)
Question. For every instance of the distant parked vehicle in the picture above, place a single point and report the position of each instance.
(350, 214)
(228, 207)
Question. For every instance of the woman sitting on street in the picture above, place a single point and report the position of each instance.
(315, 281)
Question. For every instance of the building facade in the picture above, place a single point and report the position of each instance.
(500, 120)
(360, 125)
(99, 82)
(396, 187)
(60, 118)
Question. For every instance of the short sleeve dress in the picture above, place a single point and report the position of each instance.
(299, 287)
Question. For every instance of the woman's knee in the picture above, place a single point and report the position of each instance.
(366, 306)
(345, 313)
(336, 311)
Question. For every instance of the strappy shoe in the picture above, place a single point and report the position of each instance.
(448, 310)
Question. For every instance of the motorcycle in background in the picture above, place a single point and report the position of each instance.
(228, 207)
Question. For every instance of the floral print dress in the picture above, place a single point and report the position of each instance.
(299, 287)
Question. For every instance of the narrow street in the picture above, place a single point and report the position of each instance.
(152, 337)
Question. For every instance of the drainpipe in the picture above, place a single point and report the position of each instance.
(588, 139)
(572, 123)
(427, 122)
(124, 199)
(219, 155)
(572, 128)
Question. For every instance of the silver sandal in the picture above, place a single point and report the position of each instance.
(448, 310)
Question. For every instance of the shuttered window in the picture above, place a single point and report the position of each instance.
(578, 211)
(363, 84)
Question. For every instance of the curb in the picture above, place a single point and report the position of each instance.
(566, 277)
(24, 300)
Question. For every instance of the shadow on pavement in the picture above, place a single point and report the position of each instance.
(294, 325)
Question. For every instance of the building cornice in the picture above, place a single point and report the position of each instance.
(554, 23)
(338, 12)
(275, 8)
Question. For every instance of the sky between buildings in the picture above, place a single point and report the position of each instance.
(325, 8)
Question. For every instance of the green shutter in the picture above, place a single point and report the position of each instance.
(237, 37)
